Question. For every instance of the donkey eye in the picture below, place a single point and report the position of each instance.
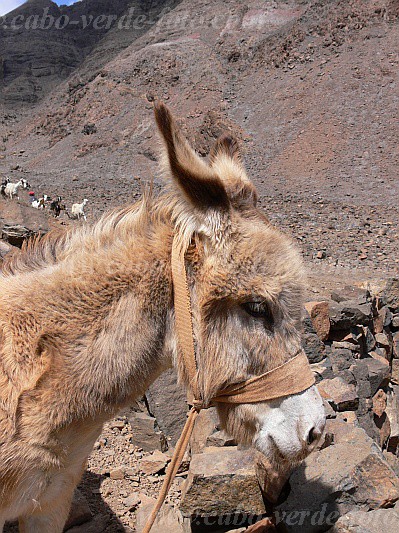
(259, 310)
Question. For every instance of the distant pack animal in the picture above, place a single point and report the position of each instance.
(87, 323)
(57, 206)
(40, 203)
(11, 189)
(78, 210)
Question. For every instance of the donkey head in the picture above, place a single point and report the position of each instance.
(246, 282)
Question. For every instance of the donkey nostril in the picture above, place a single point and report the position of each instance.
(313, 436)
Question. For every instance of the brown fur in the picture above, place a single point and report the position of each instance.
(86, 321)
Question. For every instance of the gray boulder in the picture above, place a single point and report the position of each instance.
(351, 473)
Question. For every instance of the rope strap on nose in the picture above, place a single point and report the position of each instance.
(292, 377)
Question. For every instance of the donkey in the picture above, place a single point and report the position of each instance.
(87, 323)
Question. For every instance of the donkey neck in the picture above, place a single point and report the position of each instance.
(134, 338)
(103, 315)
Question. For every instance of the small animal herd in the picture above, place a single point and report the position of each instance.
(10, 190)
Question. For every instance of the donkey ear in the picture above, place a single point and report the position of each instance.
(225, 161)
(201, 185)
(226, 146)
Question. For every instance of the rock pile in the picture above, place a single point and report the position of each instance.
(357, 364)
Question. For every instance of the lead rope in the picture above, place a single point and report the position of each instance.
(185, 335)
(292, 377)
(173, 467)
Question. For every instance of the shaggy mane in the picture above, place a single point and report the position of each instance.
(35, 253)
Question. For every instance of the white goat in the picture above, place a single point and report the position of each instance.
(77, 210)
(11, 189)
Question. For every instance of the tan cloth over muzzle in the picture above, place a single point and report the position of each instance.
(292, 377)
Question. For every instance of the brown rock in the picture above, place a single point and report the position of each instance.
(341, 395)
(381, 419)
(322, 369)
(132, 501)
(155, 463)
(143, 512)
(346, 345)
(378, 357)
(320, 317)
(379, 373)
(368, 339)
(353, 338)
(347, 314)
(395, 338)
(383, 341)
(393, 461)
(338, 429)
(390, 294)
(379, 403)
(146, 500)
(348, 416)
(18, 221)
(377, 485)
(395, 371)
(167, 403)
(383, 319)
(146, 433)
(384, 428)
(117, 424)
(205, 426)
(220, 438)
(351, 292)
(220, 482)
(378, 324)
(313, 347)
(117, 473)
(169, 519)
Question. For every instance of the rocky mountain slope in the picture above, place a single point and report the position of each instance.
(35, 55)
(43, 43)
